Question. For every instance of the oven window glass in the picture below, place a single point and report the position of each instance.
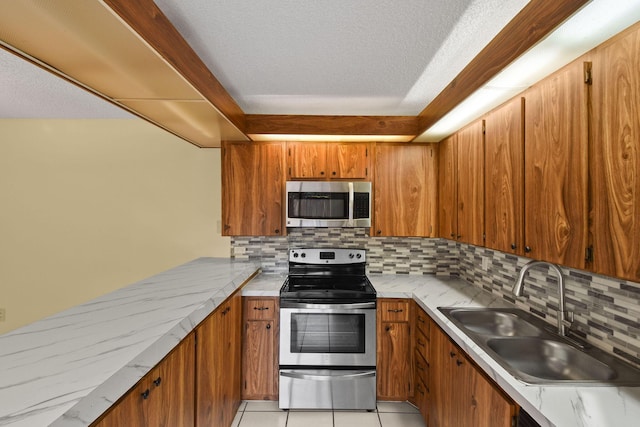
(319, 205)
(327, 333)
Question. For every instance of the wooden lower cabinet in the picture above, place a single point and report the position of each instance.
(393, 349)
(163, 397)
(260, 348)
(218, 359)
(460, 394)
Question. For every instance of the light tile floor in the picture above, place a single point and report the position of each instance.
(258, 413)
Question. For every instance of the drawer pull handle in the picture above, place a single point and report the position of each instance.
(420, 319)
(395, 310)
(421, 343)
(261, 308)
(420, 367)
(145, 394)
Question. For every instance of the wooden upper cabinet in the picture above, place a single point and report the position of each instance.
(307, 160)
(616, 161)
(471, 184)
(556, 152)
(327, 160)
(405, 195)
(448, 188)
(253, 188)
(504, 177)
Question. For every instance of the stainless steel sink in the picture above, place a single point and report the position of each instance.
(529, 349)
(550, 360)
(492, 322)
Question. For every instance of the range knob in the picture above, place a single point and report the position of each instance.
(351, 255)
(303, 255)
(295, 254)
(359, 256)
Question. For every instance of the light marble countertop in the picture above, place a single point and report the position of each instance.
(562, 406)
(67, 369)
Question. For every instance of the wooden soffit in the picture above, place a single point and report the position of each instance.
(129, 53)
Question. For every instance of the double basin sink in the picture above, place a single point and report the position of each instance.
(526, 347)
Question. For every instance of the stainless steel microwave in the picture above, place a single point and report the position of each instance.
(328, 204)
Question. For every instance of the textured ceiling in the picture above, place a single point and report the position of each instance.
(356, 57)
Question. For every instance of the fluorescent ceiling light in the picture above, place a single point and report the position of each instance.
(592, 25)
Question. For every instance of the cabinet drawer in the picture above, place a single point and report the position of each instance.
(422, 368)
(394, 310)
(260, 308)
(422, 344)
(423, 322)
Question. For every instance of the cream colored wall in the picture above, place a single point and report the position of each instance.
(89, 206)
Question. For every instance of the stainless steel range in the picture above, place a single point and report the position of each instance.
(327, 331)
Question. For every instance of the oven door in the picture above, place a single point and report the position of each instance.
(325, 335)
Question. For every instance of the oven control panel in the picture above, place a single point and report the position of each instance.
(327, 256)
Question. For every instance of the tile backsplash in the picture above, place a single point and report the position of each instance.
(607, 310)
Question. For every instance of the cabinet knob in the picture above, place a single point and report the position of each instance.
(277, 230)
(452, 234)
(527, 249)
(514, 246)
(458, 236)
(459, 362)
(157, 381)
(387, 328)
(322, 173)
(452, 354)
(145, 394)
(379, 232)
(268, 326)
(333, 173)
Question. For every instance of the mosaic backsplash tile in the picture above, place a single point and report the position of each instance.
(607, 310)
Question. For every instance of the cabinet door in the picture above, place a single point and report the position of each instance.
(616, 160)
(252, 189)
(460, 394)
(485, 405)
(307, 160)
(405, 190)
(394, 373)
(348, 160)
(448, 188)
(218, 365)
(260, 349)
(443, 391)
(393, 357)
(471, 184)
(164, 397)
(556, 168)
(504, 178)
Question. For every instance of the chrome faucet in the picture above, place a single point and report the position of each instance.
(565, 318)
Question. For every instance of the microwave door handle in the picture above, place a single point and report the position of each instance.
(351, 204)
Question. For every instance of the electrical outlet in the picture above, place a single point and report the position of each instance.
(2, 314)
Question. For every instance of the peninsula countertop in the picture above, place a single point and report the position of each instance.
(67, 369)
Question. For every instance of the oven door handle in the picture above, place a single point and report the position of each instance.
(301, 376)
(350, 306)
